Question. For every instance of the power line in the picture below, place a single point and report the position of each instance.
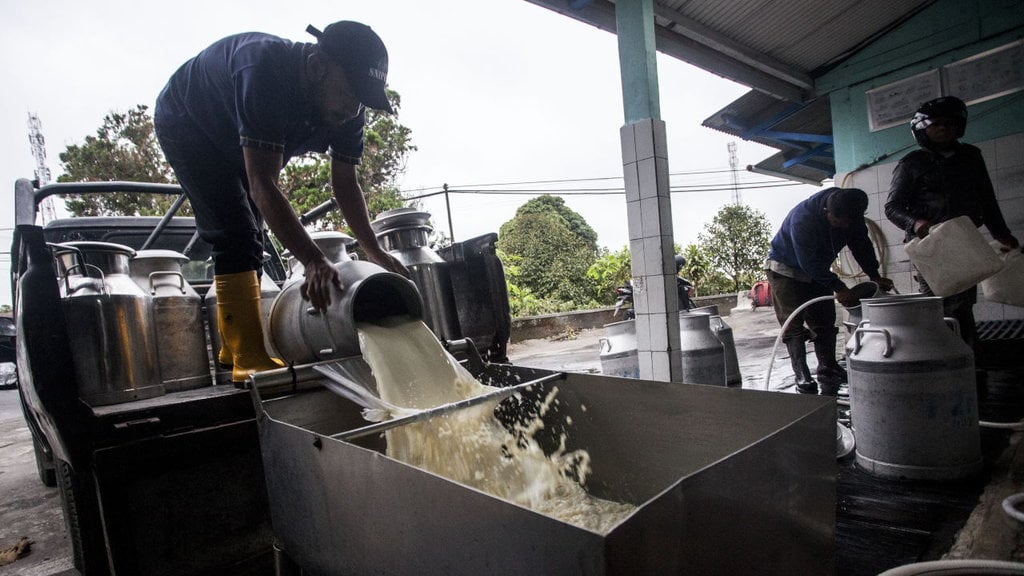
(679, 189)
(559, 181)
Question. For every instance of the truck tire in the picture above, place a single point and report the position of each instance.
(44, 464)
(82, 520)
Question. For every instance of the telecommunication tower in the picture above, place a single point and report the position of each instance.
(42, 172)
(733, 165)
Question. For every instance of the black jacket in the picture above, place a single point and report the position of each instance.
(929, 186)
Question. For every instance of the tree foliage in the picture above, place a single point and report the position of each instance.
(123, 148)
(387, 145)
(736, 243)
(706, 279)
(576, 223)
(554, 249)
(608, 272)
(522, 301)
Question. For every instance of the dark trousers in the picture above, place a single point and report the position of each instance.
(217, 189)
(816, 321)
(959, 307)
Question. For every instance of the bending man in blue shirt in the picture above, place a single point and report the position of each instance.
(799, 270)
(229, 120)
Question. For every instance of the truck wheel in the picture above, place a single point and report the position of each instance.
(82, 520)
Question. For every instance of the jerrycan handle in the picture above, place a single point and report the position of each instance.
(953, 324)
(860, 331)
(153, 275)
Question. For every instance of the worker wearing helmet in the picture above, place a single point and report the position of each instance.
(943, 180)
(684, 288)
(228, 121)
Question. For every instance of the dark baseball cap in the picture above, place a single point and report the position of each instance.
(361, 53)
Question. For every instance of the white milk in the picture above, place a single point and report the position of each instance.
(470, 446)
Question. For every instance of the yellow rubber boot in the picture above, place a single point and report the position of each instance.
(224, 357)
(238, 317)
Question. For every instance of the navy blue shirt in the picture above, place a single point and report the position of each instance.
(245, 90)
(807, 242)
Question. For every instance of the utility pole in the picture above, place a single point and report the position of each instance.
(42, 172)
(734, 164)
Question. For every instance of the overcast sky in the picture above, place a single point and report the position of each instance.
(495, 91)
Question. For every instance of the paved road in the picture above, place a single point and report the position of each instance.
(27, 507)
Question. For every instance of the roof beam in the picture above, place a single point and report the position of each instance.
(728, 47)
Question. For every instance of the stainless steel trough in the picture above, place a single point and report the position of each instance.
(726, 481)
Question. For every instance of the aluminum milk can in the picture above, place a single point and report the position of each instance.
(177, 312)
(723, 331)
(404, 233)
(301, 334)
(334, 245)
(618, 350)
(701, 353)
(109, 324)
(913, 396)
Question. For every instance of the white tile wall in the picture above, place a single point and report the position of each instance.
(628, 140)
(644, 134)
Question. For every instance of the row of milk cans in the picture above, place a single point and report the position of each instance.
(135, 324)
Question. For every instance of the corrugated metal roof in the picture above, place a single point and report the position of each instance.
(776, 47)
(755, 40)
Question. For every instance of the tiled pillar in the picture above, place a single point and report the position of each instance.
(649, 216)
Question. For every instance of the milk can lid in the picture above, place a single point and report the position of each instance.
(160, 254)
(400, 219)
(91, 246)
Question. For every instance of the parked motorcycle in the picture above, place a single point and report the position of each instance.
(624, 298)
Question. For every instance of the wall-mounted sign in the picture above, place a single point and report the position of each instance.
(981, 77)
(895, 103)
(987, 75)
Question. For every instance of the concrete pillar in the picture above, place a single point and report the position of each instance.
(648, 206)
(649, 216)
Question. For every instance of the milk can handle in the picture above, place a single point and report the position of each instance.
(152, 275)
(67, 278)
(313, 311)
(605, 342)
(953, 324)
(888, 340)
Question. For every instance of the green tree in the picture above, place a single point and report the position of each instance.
(522, 301)
(706, 279)
(608, 272)
(553, 204)
(736, 243)
(387, 145)
(554, 258)
(123, 148)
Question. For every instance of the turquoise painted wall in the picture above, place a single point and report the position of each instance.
(946, 31)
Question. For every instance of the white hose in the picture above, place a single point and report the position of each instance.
(951, 567)
(771, 361)
(1010, 506)
(1015, 426)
